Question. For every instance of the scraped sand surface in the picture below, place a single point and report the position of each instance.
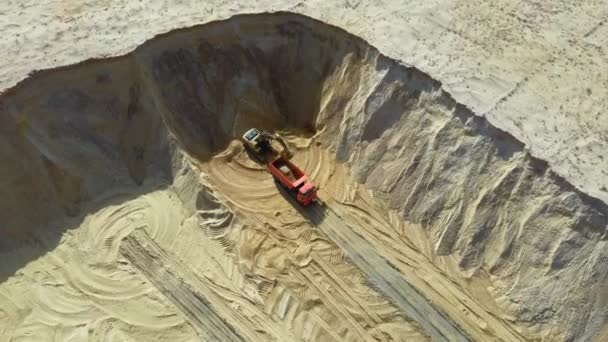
(135, 213)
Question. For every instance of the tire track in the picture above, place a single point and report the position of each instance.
(388, 280)
(447, 294)
(153, 262)
(357, 315)
(359, 332)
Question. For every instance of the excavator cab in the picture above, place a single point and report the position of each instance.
(254, 141)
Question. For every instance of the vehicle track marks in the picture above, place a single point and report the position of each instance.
(387, 279)
(167, 275)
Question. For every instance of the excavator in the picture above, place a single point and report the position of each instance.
(259, 144)
(285, 173)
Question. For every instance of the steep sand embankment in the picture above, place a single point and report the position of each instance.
(79, 135)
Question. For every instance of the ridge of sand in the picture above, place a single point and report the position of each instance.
(77, 134)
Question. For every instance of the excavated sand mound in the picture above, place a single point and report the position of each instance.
(129, 210)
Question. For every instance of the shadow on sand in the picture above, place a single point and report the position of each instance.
(15, 255)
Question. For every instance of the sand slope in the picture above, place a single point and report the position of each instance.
(537, 70)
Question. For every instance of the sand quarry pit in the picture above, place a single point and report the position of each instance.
(131, 211)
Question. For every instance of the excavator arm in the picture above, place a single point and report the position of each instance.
(286, 152)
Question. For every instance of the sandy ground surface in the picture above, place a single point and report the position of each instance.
(436, 224)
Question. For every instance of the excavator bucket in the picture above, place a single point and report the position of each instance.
(286, 154)
(286, 151)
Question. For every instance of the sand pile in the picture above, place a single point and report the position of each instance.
(133, 213)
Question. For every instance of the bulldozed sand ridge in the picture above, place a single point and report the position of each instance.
(132, 213)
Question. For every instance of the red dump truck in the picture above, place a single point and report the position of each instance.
(293, 179)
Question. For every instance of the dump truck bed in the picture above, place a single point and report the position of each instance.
(286, 172)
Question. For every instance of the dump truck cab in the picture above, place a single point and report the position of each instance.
(306, 193)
